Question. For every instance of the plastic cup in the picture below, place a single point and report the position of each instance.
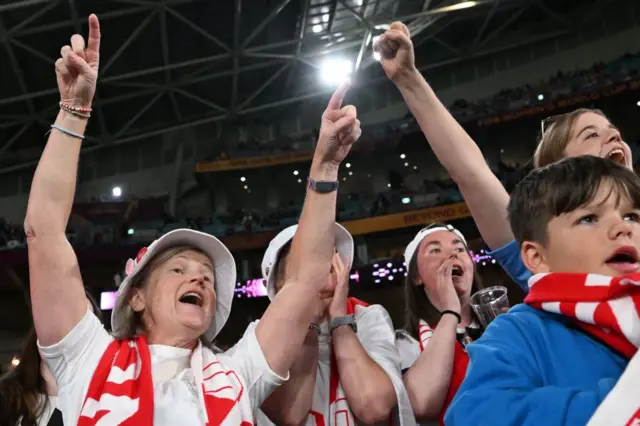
(488, 303)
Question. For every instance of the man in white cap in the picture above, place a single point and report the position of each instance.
(348, 370)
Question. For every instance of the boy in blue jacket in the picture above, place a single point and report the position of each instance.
(552, 360)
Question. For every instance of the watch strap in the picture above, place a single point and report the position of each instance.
(322, 186)
(349, 320)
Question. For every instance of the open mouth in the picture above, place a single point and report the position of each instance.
(191, 298)
(457, 271)
(617, 155)
(624, 256)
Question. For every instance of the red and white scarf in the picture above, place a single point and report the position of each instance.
(460, 363)
(121, 389)
(606, 307)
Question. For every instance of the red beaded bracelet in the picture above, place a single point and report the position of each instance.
(69, 107)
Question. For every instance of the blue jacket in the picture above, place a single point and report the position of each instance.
(508, 256)
(534, 368)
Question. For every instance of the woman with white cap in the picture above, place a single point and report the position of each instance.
(348, 369)
(158, 369)
(439, 320)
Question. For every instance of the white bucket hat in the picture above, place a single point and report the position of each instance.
(344, 245)
(224, 267)
(413, 245)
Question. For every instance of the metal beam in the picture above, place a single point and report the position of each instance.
(363, 48)
(136, 117)
(504, 25)
(332, 15)
(197, 29)
(447, 45)
(480, 33)
(132, 37)
(237, 21)
(164, 41)
(266, 21)
(356, 14)
(20, 4)
(14, 138)
(201, 100)
(266, 84)
(302, 27)
(17, 69)
(33, 51)
(33, 17)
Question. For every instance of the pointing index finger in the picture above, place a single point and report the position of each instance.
(335, 103)
(94, 34)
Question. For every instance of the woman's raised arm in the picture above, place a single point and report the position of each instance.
(57, 294)
(457, 152)
(284, 325)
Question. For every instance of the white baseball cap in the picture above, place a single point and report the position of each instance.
(344, 245)
(413, 245)
(224, 267)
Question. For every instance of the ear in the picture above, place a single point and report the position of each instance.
(136, 300)
(534, 257)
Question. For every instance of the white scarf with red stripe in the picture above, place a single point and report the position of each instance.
(121, 389)
(605, 307)
(609, 309)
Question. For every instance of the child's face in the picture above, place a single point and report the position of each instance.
(602, 237)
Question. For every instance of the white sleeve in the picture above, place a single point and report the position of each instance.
(408, 348)
(73, 360)
(377, 337)
(248, 360)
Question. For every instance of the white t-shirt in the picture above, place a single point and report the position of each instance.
(73, 360)
(376, 334)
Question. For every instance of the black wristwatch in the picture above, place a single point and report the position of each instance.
(322, 186)
(349, 320)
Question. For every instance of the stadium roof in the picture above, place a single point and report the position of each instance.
(173, 64)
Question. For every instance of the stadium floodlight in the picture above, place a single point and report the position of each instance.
(116, 191)
(336, 71)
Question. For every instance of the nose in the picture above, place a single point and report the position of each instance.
(614, 136)
(198, 279)
(621, 229)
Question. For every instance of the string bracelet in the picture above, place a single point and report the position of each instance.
(67, 132)
(315, 327)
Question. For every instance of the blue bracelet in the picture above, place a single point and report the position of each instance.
(67, 132)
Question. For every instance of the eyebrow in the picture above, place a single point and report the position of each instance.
(592, 127)
(208, 266)
(438, 243)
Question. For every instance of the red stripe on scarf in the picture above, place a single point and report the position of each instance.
(459, 371)
(575, 295)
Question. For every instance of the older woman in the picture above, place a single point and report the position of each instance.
(440, 321)
(348, 364)
(177, 294)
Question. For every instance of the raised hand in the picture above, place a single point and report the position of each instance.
(339, 130)
(338, 305)
(396, 51)
(443, 295)
(77, 68)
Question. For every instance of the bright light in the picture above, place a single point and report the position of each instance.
(348, 165)
(406, 164)
(377, 56)
(540, 97)
(131, 231)
(357, 2)
(415, 167)
(242, 179)
(638, 103)
(295, 173)
(325, 18)
(317, 28)
(15, 362)
(299, 180)
(459, 6)
(246, 187)
(336, 71)
(116, 191)
(383, 27)
(402, 156)
(388, 185)
(406, 200)
(344, 178)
